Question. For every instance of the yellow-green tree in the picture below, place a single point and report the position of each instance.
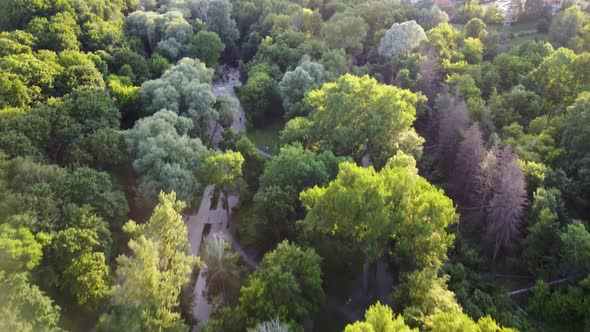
(380, 318)
(152, 277)
(370, 208)
(357, 112)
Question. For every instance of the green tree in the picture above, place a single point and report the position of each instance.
(166, 157)
(377, 197)
(24, 307)
(87, 278)
(220, 22)
(225, 171)
(207, 47)
(260, 97)
(475, 28)
(575, 136)
(13, 92)
(287, 284)
(575, 243)
(542, 242)
(357, 112)
(401, 39)
(154, 275)
(221, 263)
(346, 32)
(555, 78)
(88, 186)
(294, 169)
(58, 33)
(379, 318)
(566, 25)
(20, 250)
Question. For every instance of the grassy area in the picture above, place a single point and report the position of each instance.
(516, 27)
(267, 135)
(535, 36)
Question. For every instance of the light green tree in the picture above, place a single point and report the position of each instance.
(166, 157)
(20, 250)
(225, 171)
(401, 39)
(370, 208)
(155, 273)
(357, 113)
(87, 278)
(575, 243)
(379, 318)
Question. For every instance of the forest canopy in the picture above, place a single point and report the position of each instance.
(294, 165)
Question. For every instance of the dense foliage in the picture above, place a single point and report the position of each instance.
(426, 166)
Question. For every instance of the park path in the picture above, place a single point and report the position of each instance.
(216, 216)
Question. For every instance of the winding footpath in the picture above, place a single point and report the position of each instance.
(216, 216)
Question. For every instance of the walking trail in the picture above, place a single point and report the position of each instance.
(216, 216)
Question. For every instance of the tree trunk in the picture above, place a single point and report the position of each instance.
(366, 277)
(227, 208)
(212, 135)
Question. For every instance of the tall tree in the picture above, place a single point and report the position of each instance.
(207, 46)
(346, 32)
(401, 39)
(24, 307)
(575, 242)
(507, 204)
(566, 25)
(295, 84)
(221, 266)
(287, 285)
(357, 112)
(453, 120)
(220, 22)
(371, 208)
(152, 277)
(379, 318)
(469, 156)
(475, 28)
(166, 157)
(225, 171)
(185, 89)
